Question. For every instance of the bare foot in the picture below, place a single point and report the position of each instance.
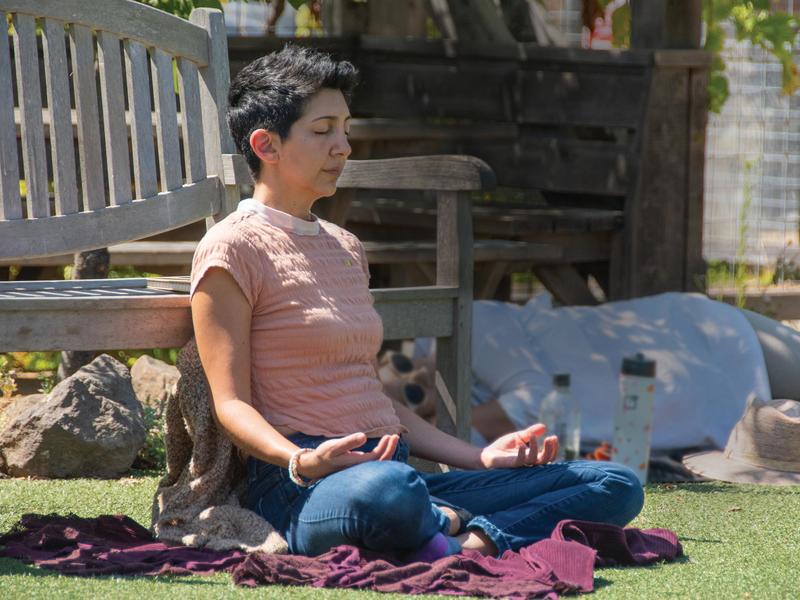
(455, 520)
(477, 540)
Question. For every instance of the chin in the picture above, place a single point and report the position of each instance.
(327, 191)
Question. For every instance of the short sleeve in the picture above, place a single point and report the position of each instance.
(228, 248)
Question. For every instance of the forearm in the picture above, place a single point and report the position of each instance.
(250, 432)
(428, 442)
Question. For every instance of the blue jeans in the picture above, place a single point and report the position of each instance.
(391, 507)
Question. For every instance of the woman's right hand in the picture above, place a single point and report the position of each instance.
(340, 453)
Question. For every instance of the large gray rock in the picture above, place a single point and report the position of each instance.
(154, 382)
(90, 425)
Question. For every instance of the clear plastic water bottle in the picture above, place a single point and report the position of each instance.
(561, 414)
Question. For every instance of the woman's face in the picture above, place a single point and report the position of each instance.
(313, 154)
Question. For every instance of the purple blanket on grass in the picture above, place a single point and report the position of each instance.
(563, 563)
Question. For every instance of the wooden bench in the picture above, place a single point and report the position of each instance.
(109, 194)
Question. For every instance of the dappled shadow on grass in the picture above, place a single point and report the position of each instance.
(734, 488)
(601, 582)
(721, 487)
(10, 567)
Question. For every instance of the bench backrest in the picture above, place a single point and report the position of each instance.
(131, 105)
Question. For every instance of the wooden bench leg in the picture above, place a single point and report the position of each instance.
(489, 279)
(566, 285)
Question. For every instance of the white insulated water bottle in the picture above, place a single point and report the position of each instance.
(633, 421)
(561, 415)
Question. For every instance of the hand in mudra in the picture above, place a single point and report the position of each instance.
(520, 449)
(340, 453)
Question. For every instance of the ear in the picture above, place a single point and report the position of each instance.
(266, 145)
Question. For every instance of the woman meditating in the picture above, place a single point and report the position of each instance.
(287, 336)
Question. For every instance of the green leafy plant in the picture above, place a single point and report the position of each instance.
(153, 454)
(47, 381)
(740, 272)
(182, 8)
(8, 382)
(756, 22)
(751, 20)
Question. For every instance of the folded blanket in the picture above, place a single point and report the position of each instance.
(199, 500)
(563, 563)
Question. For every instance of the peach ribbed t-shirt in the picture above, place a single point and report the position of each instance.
(314, 332)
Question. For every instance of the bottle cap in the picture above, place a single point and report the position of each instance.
(561, 380)
(639, 366)
(402, 363)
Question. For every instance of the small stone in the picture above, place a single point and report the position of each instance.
(154, 382)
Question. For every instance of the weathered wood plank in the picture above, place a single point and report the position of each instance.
(384, 130)
(169, 152)
(116, 320)
(502, 221)
(179, 253)
(144, 158)
(192, 121)
(655, 220)
(115, 132)
(566, 285)
(10, 205)
(694, 279)
(125, 19)
(61, 140)
(15, 289)
(454, 267)
(110, 225)
(87, 117)
(89, 324)
(553, 164)
(30, 104)
(214, 83)
(419, 172)
(406, 319)
(402, 89)
(556, 97)
(453, 173)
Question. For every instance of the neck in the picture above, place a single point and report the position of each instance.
(283, 200)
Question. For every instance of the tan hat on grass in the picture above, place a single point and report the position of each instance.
(764, 447)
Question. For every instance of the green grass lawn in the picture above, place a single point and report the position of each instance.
(741, 542)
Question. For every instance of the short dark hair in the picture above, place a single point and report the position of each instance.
(271, 92)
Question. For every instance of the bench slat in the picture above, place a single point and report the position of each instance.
(30, 104)
(87, 117)
(144, 158)
(124, 19)
(122, 316)
(551, 96)
(116, 131)
(439, 173)
(61, 140)
(10, 207)
(169, 152)
(192, 121)
(551, 164)
(28, 238)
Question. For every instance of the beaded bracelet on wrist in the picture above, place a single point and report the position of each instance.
(294, 476)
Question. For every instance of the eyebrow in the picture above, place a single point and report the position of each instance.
(331, 117)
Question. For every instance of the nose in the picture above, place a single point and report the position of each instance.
(341, 146)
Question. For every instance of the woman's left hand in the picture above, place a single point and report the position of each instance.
(520, 449)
